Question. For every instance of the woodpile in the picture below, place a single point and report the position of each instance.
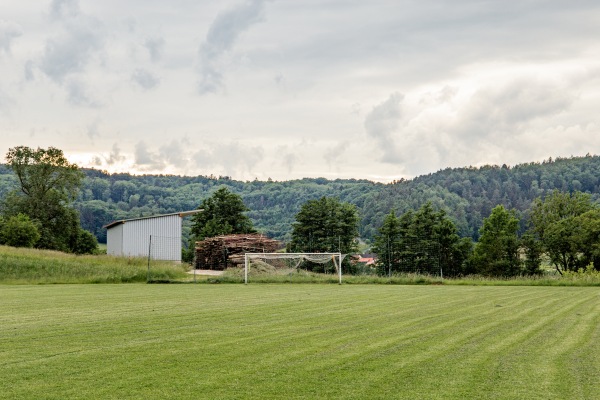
(221, 252)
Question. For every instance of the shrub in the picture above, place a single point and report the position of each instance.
(19, 231)
(86, 243)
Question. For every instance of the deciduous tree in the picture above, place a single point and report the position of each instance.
(47, 184)
(565, 224)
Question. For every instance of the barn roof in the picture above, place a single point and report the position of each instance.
(180, 214)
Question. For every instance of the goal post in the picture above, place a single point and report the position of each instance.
(320, 258)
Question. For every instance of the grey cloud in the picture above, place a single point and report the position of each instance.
(290, 160)
(506, 109)
(333, 154)
(287, 158)
(231, 157)
(60, 9)
(173, 153)
(115, 156)
(131, 24)
(78, 94)
(93, 129)
(71, 52)
(407, 43)
(96, 161)
(221, 37)
(279, 79)
(5, 101)
(145, 159)
(144, 79)
(66, 56)
(155, 47)
(382, 122)
(28, 70)
(8, 32)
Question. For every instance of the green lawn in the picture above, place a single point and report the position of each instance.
(299, 342)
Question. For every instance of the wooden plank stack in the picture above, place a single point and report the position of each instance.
(221, 252)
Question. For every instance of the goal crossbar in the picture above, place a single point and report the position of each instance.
(314, 257)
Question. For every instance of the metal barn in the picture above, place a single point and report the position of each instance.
(159, 236)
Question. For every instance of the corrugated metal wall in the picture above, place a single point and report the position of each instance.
(166, 237)
(114, 241)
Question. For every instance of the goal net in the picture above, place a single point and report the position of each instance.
(293, 262)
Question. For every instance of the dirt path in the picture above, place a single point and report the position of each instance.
(205, 272)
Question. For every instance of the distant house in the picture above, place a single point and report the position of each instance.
(368, 259)
(158, 236)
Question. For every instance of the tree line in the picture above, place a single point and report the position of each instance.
(451, 220)
(564, 227)
(467, 195)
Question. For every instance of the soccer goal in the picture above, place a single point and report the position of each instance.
(292, 261)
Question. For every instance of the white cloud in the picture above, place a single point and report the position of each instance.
(484, 119)
(404, 88)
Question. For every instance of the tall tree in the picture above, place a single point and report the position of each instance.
(558, 223)
(387, 245)
(424, 241)
(48, 183)
(223, 213)
(325, 225)
(497, 251)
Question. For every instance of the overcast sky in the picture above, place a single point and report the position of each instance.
(287, 89)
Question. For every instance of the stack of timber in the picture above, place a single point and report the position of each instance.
(221, 252)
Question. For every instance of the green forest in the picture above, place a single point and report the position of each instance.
(467, 195)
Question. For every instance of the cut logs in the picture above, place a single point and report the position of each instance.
(221, 252)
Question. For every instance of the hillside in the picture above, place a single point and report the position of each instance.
(467, 194)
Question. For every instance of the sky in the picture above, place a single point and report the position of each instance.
(286, 89)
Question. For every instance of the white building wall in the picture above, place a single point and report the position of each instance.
(166, 237)
(114, 241)
(134, 236)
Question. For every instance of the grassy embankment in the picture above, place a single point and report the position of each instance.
(22, 266)
(299, 342)
(28, 266)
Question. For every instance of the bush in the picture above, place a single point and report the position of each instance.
(86, 243)
(19, 231)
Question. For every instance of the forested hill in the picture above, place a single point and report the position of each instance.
(467, 194)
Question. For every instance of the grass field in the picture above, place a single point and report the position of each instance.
(306, 341)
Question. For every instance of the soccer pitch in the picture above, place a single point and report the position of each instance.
(300, 341)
